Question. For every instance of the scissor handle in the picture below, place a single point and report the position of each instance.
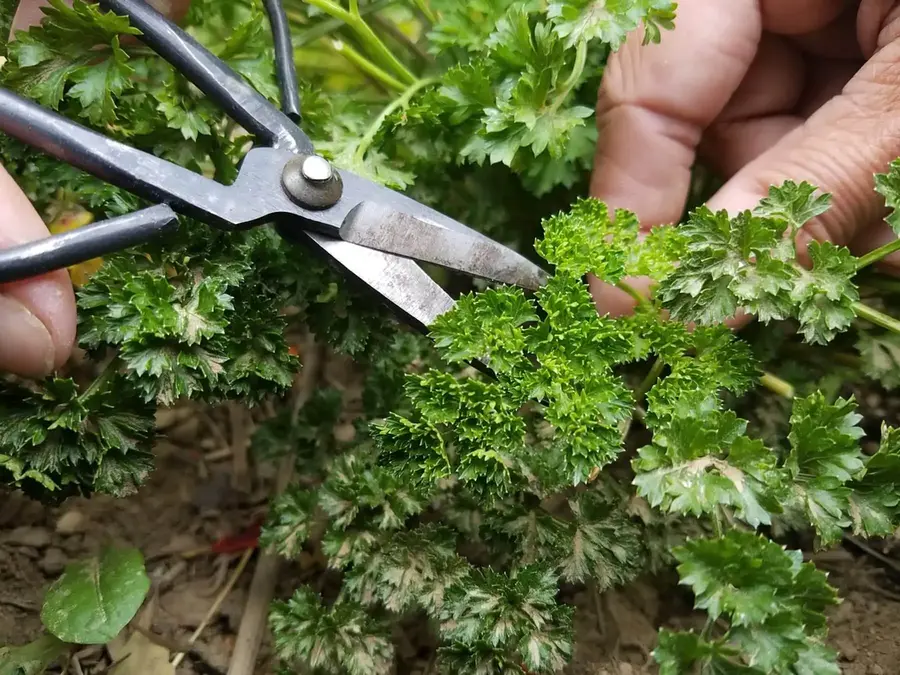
(217, 80)
(84, 243)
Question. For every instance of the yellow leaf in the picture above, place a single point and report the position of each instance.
(140, 656)
(70, 218)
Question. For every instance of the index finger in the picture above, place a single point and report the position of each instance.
(656, 100)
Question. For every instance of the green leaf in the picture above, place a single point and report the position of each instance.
(7, 13)
(875, 493)
(682, 653)
(341, 637)
(772, 602)
(610, 20)
(747, 262)
(516, 615)
(408, 570)
(880, 356)
(33, 658)
(825, 295)
(888, 186)
(699, 464)
(598, 542)
(794, 203)
(290, 520)
(824, 457)
(94, 599)
(586, 239)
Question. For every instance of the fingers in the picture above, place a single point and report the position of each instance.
(28, 14)
(656, 100)
(37, 317)
(654, 103)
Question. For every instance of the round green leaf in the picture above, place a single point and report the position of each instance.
(95, 598)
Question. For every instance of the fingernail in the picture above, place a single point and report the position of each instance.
(26, 348)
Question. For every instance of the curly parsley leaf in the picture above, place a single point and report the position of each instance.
(748, 263)
(888, 186)
(824, 457)
(502, 618)
(698, 464)
(342, 637)
(611, 20)
(58, 441)
(773, 604)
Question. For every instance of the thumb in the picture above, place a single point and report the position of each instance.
(838, 149)
(37, 316)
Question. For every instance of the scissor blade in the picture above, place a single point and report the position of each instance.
(377, 226)
(400, 282)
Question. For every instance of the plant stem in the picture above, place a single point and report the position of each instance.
(776, 385)
(97, 385)
(323, 28)
(367, 66)
(878, 254)
(872, 315)
(651, 378)
(400, 102)
(355, 21)
(574, 76)
(632, 291)
(427, 12)
(402, 39)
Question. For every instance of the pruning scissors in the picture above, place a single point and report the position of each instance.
(371, 232)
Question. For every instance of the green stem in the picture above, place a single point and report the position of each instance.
(427, 12)
(374, 44)
(777, 386)
(651, 378)
(97, 385)
(872, 315)
(574, 77)
(878, 254)
(401, 38)
(632, 291)
(400, 102)
(367, 66)
(327, 26)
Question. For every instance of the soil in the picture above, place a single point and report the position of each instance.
(204, 490)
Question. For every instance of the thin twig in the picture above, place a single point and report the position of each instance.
(878, 555)
(179, 657)
(239, 421)
(265, 577)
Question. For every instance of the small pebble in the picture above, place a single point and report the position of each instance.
(53, 562)
(71, 522)
(36, 537)
(875, 669)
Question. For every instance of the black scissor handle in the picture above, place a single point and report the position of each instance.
(91, 241)
(239, 100)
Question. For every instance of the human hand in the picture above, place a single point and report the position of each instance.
(763, 91)
(38, 316)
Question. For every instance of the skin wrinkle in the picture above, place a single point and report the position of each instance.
(829, 117)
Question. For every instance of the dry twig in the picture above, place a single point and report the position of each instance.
(265, 577)
(179, 657)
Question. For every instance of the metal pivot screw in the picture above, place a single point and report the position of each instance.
(317, 169)
(312, 182)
